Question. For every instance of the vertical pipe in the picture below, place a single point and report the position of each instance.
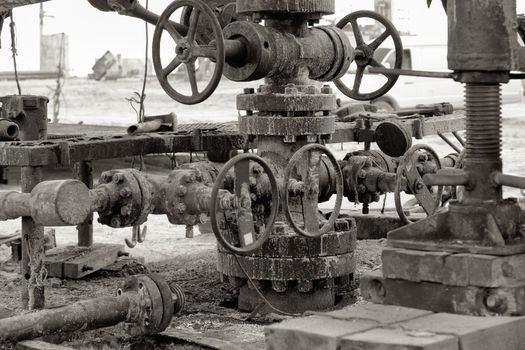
(83, 171)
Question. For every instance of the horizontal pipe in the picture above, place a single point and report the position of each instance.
(144, 127)
(509, 180)
(9, 130)
(14, 205)
(234, 50)
(83, 315)
(444, 179)
(166, 122)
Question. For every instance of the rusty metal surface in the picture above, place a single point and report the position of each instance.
(287, 245)
(288, 269)
(482, 35)
(108, 147)
(285, 126)
(286, 6)
(213, 135)
(141, 301)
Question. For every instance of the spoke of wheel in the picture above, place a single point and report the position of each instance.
(171, 67)
(245, 220)
(170, 28)
(375, 63)
(193, 78)
(310, 198)
(194, 21)
(380, 39)
(208, 51)
(423, 195)
(358, 78)
(357, 33)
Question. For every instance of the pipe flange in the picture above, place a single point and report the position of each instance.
(318, 7)
(153, 310)
(343, 54)
(130, 198)
(187, 196)
(257, 61)
(293, 100)
(283, 126)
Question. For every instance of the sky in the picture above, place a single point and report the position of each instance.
(92, 32)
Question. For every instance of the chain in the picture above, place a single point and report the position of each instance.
(37, 268)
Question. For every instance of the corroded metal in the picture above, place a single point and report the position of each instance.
(289, 7)
(146, 302)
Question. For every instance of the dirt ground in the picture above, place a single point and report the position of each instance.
(189, 262)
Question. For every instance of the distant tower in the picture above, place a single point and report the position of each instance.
(54, 49)
(384, 7)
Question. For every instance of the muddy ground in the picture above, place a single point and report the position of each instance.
(189, 262)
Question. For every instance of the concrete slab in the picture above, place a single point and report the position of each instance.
(474, 333)
(382, 314)
(374, 327)
(312, 333)
(324, 330)
(397, 339)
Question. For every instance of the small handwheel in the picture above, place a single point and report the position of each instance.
(188, 50)
(310, 189)
(249, 240)
(407, 170)
(364, 55)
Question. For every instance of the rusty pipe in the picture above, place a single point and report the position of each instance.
(50, 203)
(85, 315)
(146, 301)
(9, 131)
(166, 122)
(144, 127)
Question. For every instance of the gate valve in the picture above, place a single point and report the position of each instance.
(409, 175)
(309, 188)
(364, 55)
(188, 50)
(250, 240)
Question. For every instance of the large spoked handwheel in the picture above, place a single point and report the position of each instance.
(310, 189)
(407, 170)
(364, 55)
(188, 50)
(249, 241)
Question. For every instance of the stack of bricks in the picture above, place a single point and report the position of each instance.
(384, 327)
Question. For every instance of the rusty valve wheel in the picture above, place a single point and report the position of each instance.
(250, 241)
(364, 55)
(310, 188)
(188, 50)
(407, 170)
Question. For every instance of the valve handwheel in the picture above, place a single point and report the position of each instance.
(310, 188)
(407, 170)
(249, 240)
(188, 50)
(364, 55)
